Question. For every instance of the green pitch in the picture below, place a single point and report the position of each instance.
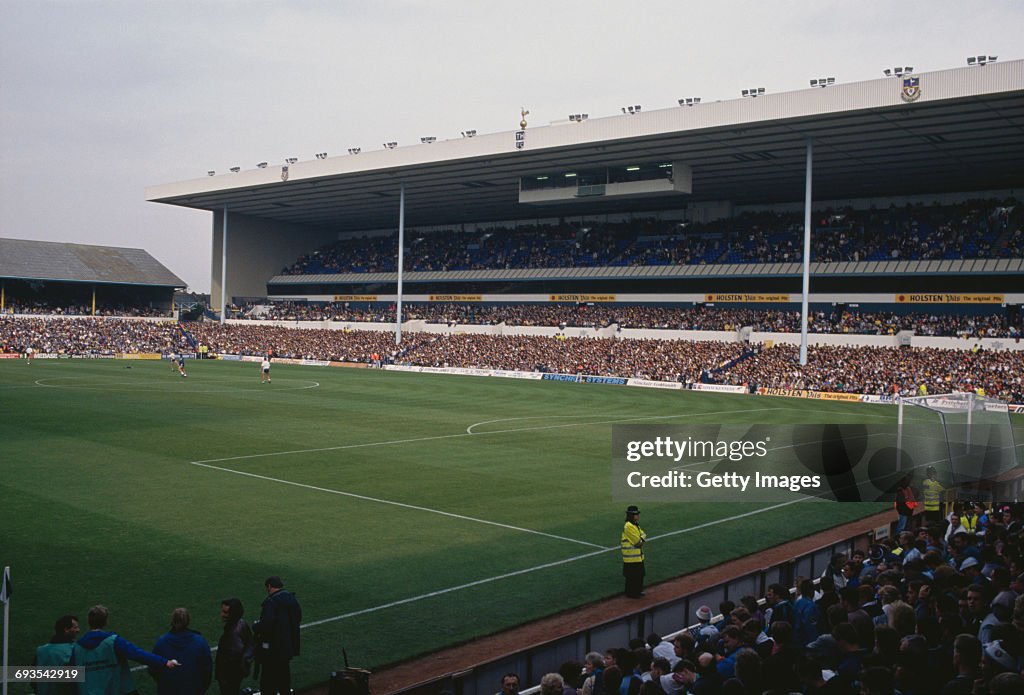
(407, 512)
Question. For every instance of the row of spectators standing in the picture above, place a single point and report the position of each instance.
(181, 660)
(939, 609)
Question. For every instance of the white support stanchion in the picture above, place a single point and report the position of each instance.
(401, 256)
(224, 266)
(807, 252)
(899, 436)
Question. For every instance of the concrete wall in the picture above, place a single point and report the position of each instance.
(257, 250)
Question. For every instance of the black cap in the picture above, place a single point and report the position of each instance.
(632, 509)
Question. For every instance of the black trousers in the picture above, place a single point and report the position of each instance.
(230, 686)
(276, 677)
(634, 574)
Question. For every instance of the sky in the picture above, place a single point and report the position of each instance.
(101, 98)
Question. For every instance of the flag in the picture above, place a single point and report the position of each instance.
(5, 589)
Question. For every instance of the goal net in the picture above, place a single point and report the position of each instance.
(967, 438)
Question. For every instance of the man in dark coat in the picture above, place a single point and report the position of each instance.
(277, 635)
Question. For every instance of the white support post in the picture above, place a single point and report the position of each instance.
(807, 253)
(224, 267)
(899, 436)
(401, 258)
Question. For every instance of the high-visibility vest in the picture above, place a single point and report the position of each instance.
(969, 522)
(105, 674)
(54, 654)
(932, 494)
(632, 537)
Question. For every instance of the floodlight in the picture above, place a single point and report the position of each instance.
(211, 172)
(291, 160)
(981, 61)
(428, 140)
(321, 155)
(262, 165)
(469, 133)
(235, 170)
(355, 150)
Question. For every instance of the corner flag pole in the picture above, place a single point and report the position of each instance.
(5, 596)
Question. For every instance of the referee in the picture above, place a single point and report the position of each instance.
(632, 543)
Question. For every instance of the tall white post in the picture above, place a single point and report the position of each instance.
(224, 267)
(401, 258)
(899, 436)
(807, 253)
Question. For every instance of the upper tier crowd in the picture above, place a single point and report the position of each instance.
(697, 318)
(862, 370)
(974, 229)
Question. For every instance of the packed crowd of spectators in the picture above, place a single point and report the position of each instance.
(646, 316)
(881, 371)
(862, 370)
(973, 229)
(935, 610)
(102, 309)
(86, 336)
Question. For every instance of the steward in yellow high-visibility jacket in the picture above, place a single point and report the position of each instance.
(632, 545)
(932, 490)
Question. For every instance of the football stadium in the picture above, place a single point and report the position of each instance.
(432, 380)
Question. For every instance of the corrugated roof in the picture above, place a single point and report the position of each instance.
(48, 260)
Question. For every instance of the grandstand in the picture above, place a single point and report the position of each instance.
(42, 277)
(661, 249)
(723, 165)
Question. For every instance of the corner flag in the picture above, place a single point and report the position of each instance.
(5, 598)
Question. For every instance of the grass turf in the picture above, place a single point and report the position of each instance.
(126, 485)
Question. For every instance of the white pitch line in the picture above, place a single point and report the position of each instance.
(342, 447)
(516, 573)
(469, 430)
(396, 504)
(547, 565)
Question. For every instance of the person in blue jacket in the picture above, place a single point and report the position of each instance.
(188, 648)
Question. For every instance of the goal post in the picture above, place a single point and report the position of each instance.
(967, 437)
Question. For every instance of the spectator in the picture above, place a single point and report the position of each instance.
(277, 634)
(189, 649)
(235, 649)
